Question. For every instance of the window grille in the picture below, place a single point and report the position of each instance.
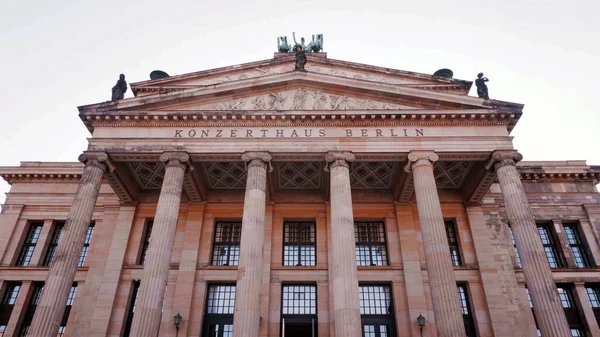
(299, 244)
(58, 230)
(577, 247)
(299, 300)
(371, 247)
(86, 245)
(549, 246)
(31, 240)
(226, 244)
(453, 242)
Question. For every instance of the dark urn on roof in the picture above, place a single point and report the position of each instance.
(482, 89)
(118, 91)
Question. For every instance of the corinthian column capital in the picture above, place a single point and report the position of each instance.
(95, 159)
(503, 158)
(335, 159)
(418, 158)
(260, 159)
(178, 159)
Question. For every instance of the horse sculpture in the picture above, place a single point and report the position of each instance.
(282, 45)
(315, 46)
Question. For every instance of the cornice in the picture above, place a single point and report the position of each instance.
(587, 177)
(12, 178)
(507, 117)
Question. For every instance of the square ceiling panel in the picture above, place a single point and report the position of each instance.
(451, 175)
(299, 175)
(379, 175)
(226, 175)
(149, 175)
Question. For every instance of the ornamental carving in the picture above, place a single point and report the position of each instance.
(335, 159)
(262, 159)
(301, 99)
(95, 159)
(420, 158)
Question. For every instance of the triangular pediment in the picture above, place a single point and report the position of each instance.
(294, 90)
(318, 65)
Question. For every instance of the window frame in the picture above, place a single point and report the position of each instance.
(514, 242)
(131, 304)
(86, 244)
(451, 223)
(34, 231)
(8, 300)
(145, 243)
(469, 316)
(553, 245)
(299, 244)
(578, 244)
(572, 312)
(299, 318)
(214, 258)
(38, 289)
(371, 244)
(216, 318)
(378, 320)
(59, 227)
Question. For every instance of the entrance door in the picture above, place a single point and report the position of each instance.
(298, 327)
(218, 330)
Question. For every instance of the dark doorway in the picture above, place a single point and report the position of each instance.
(298, 330)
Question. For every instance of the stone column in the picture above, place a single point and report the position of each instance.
(548, 311)
(446, 305)
(246, 319)
(346, 303)
(148, 311)
(52, 305)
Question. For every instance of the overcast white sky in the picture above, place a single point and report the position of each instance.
(57, 55)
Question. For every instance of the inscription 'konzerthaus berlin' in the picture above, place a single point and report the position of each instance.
(294, 133)
(204, 198)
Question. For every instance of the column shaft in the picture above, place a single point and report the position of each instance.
(148, 311)
(548, 311)
(346, 302)
(448, 317)
(246, 320)
(51, 307)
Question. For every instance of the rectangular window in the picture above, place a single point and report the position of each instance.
(453, 242)
(577, 248)
(86, 245)
(565, 292)
(299, 310)
(226, 244)
(58, 230)
(549, 246)
(512, 238)
(299, 300)
(35, 229)
(299, 244)
(8, 302)
(131, 308)
(2, 329)
(377, 310)
(61, 331)
(220, 304)
(371, 247)
(465, 307)
(146, 243)
(33, 303)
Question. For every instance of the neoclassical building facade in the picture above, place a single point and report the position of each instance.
(345, 200)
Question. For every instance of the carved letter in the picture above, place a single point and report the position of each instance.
(405, 134)
(248, 133)
(392, 133)
(264, 132)
(378, 133)
(294, 134)
(307, 132)
(178, 133)
(219, 132)
(204, 133)
(348, 133)
(321, 132)
(363, 133)
(192, 133)
(279, 133)
(419, 132)
(233, 133)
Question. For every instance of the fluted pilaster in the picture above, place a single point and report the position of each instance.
(51, 307)
(446, 307)
(246, 320)
(549, 313)
(346, 303)
(148, 311)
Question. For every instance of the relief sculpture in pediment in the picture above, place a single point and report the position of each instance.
(300, 99)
